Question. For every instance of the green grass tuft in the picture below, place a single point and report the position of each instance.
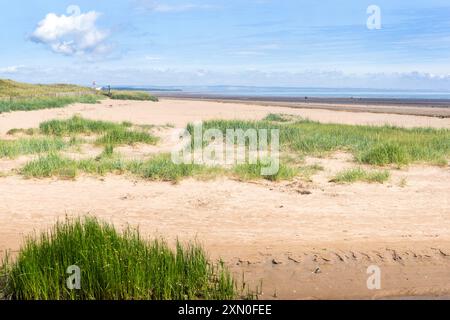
(372, 145)
(10, 88)
(158, 168)
(25, 146)
(23, 104)
(28, 132)
(113, 265)
(386, 153)
(49, 166)
(277, 117)
(121, 137)
(162, 168)
(253, 171)
(113, 133)
(359, 174)
(78, 125)
(132, 95)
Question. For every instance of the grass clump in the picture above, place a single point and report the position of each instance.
(162, 168)
(113, 133)
(25, 146)
(359, 174)
(386, 153)
(28, 132)
(49, 166)
(369, 144)
(54, 165)
(158, 168)
(78, 125)
(249, 171)
(120, 136)
(113, 266)
(132, 95)
(280, 117)
(277, 117)
(29, 104)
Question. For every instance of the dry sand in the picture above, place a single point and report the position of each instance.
(180, 112)
(302, 239)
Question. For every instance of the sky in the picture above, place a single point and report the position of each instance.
(306, 43)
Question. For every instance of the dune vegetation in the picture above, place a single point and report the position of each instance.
(38, 145)
(131, 95)
(112, 265)
(59, 135)
(18, 96)
(385, 145)
(111, 134)
(10, 88)
(359, 174)
(29, 104)
(157, 168)
(377, 146)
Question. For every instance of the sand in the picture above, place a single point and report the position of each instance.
(303, 240)
(181, 112)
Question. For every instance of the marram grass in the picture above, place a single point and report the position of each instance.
(113, 265)
(250, 171)
(26, 146)
(359, 174)
(29, 104)
(373, 145)
(157, 168)
(78, 125)
(131, 95)
(10, 88)
(112, 134)
(126, 137)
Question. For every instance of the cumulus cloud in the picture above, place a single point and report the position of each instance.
(10, 69)
(72, 34)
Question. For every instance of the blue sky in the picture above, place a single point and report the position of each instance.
(236, 42)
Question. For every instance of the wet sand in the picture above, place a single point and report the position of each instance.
(419, 107)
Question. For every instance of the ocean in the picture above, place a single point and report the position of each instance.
(293, 92)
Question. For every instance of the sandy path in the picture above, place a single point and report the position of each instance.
(303, 246)
(181, 112)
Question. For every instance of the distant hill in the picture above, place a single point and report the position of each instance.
(10, 88)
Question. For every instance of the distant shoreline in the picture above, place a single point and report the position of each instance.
(439, 108)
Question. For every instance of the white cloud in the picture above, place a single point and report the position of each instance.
(74, 34)
(10, 69)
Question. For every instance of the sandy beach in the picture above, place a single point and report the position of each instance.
(179, 112)
(300, 240)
